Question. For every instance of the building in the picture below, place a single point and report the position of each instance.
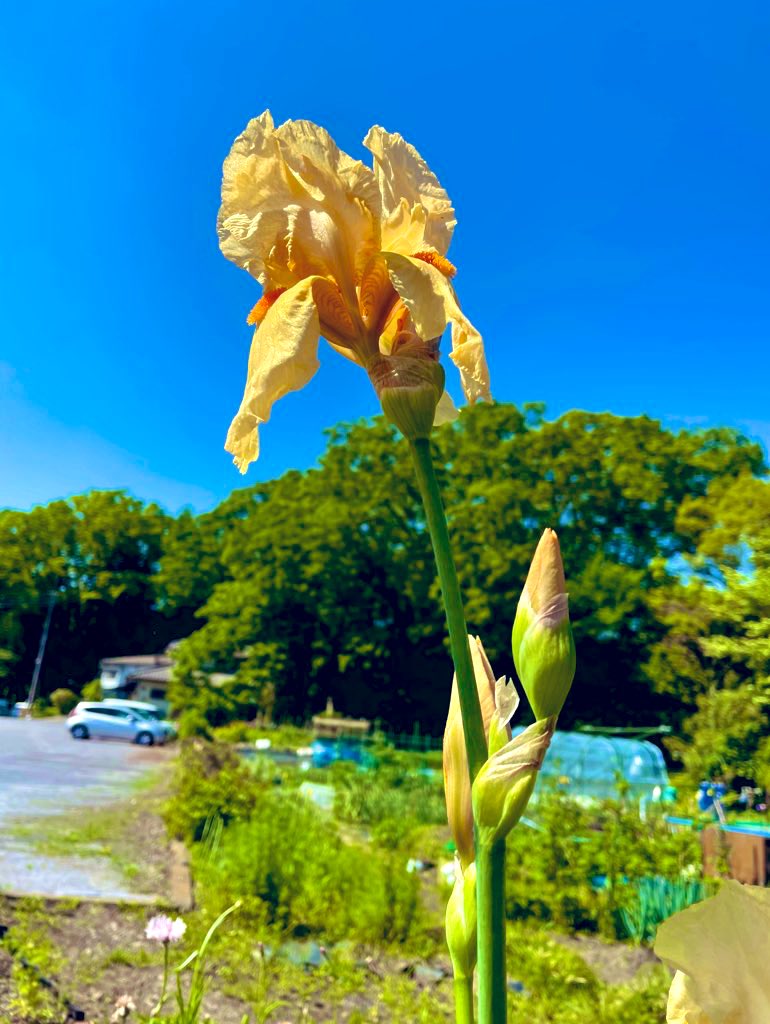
(142, 677)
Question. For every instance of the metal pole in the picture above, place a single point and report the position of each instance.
(39, 658)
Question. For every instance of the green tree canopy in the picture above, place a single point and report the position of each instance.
(322, 583)
(329, 573)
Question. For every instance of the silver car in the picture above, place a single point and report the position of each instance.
(97, 719)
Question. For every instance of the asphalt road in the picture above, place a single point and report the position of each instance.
(43, 771)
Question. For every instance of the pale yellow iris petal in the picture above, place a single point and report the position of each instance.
(283, 358)
(255, 192)
(406, 229)
(432, 303)
(446, 410)
(402, 174)
(293, 204)
(722, 949)
(681, 1008)
(345, 199)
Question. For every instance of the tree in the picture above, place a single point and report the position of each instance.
(717, 649)
(332, 569)
(97, 555)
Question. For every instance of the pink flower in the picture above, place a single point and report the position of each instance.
(162, 929)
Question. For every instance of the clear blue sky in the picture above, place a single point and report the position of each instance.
(609, 163)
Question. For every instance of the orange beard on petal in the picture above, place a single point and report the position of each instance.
(447, 268)
(259, 312)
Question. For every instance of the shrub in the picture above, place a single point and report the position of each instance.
(193, 723)
(210, 782)
(295, 874)
(577, 866)
(399, 789)
(282, 737)
(64, 700)
(92, 690)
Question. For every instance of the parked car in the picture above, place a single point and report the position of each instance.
(142, 709)
(99, 719)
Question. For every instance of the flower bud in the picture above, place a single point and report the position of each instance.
(409, 389)
(503, 786)
(543, 648)
(457, 781)
(461, 922)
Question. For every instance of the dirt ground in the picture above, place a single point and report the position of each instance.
(614, 963)
(107, 956)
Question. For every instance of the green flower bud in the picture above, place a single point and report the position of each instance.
(461, 922)
(543, 648)
(409, 389)
(503, 786)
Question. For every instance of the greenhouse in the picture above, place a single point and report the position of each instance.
(591, 766)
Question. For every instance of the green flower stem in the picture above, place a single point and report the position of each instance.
(490, 910)
(464, 1000)
(473, 725)
(164, 988)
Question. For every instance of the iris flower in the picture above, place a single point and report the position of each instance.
(344, 251)
(720, 950)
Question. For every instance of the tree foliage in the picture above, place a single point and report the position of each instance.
(330, 587)
(322, 583)
(716, 648)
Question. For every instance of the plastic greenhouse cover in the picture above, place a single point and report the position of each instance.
(587, 765)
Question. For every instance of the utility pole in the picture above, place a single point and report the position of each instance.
(40, 652)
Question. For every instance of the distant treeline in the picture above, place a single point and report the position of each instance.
(321, 583)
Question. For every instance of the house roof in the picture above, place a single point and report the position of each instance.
(140, 660)
(161, 674)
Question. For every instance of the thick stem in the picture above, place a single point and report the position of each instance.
(490, 909)
(464, 1000)
(473, 725)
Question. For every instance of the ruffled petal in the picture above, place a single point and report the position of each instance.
(432, 304)
(293, 204)
(255, 192)
(402, 174)
(722, 948)
(283, 358)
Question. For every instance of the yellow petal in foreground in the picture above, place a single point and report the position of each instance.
(283, 358)
(721, 948)
(432, 304)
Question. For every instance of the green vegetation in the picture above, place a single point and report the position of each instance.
(63, 700)
(318, 585)
(339, 880)
(579, 867)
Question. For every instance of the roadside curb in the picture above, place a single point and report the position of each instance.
(180, 877)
